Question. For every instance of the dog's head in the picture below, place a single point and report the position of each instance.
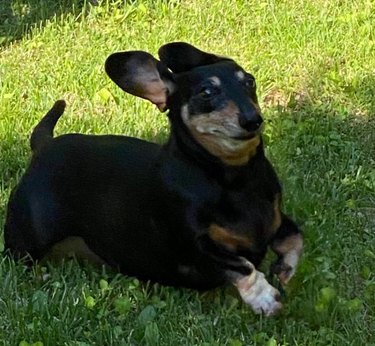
(213, 96)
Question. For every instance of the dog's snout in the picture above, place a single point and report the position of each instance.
(250, 120)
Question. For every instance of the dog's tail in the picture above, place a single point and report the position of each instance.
(43, 132)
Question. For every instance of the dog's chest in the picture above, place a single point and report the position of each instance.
(235, 216)
(241, 219)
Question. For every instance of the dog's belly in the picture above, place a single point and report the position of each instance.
(177, 275)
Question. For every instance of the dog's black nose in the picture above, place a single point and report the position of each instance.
(250, 121)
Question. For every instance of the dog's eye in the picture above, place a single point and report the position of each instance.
(250, 82)
(208, 91)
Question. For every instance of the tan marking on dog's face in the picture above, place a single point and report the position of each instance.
(240, 75)
(215, 132)
(215, 80)
(227, 238)
(276, 222)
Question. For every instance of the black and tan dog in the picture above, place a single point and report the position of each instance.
(199, 211)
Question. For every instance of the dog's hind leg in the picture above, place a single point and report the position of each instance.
(288, 245)
(30, 227)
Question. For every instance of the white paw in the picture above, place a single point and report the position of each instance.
(259, 294)
(286, 267)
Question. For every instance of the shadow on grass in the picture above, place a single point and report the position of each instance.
(18, 17)
(15, 152)
(324, 150)
(362, 91)
(325, 156)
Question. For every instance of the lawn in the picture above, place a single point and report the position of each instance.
(315, 67)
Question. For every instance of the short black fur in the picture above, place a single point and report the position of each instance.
(156, 212)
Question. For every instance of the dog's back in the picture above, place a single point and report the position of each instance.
(62, 194)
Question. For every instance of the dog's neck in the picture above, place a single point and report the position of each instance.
(183, 146)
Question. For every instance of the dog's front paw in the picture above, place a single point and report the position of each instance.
(259, 294)
(285, 267)
(283, 271)
(289, 251)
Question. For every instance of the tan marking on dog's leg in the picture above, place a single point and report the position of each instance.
(73, 247)
(225, 237)
(276, 222)
(255, 291)
(289, 250)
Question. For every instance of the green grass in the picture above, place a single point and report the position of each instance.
(315, 67)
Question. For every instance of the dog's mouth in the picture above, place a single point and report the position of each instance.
(238, 136)
(245, 137)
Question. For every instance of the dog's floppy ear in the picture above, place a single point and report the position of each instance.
(182, 57)
(140, 74)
